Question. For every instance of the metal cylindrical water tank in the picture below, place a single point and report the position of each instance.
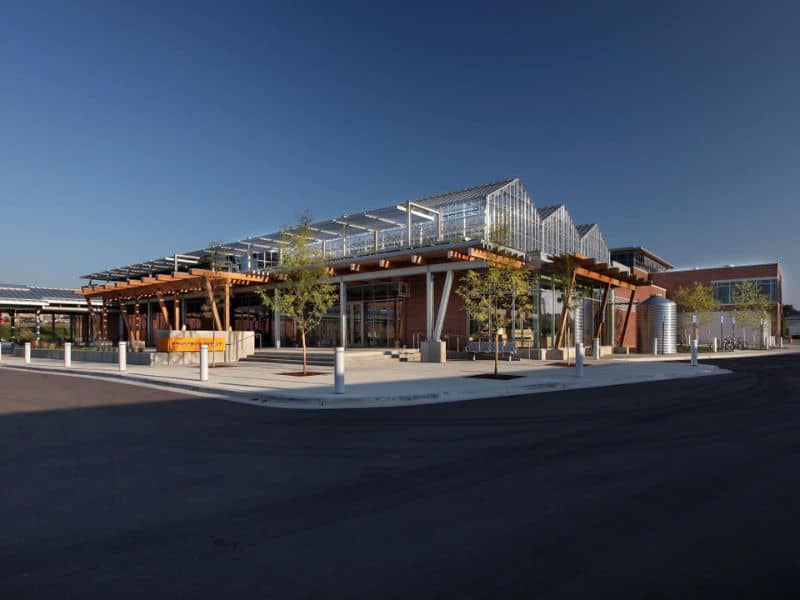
(656, 317)
(577, 322)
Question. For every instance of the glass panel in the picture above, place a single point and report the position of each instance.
(356, 323)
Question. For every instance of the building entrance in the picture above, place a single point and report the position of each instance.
(376, 323)
(376, 315)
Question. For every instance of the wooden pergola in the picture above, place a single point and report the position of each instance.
(578, 266)
(164, 286)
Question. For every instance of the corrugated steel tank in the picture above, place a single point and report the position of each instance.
(656, 317)
(577, 322)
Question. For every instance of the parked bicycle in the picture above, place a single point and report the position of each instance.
(729, 344)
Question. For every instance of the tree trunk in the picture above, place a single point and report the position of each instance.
(305, 362)
(496, 351)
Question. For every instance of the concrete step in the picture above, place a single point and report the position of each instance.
(325, 358)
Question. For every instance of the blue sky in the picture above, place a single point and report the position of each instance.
(132, 130)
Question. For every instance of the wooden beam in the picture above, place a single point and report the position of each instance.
(562, 325)
(456, 255)
(91, 322)
(598, 325)
(213, 275)
(124, 310)
(627, 317)
(227, 306)
(213, 304)
(176, 310)
(163, 306)
(494, 257)
(587, 274)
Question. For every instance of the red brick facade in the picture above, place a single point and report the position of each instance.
(672, 280)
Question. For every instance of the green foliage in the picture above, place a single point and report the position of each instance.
(307, 294)
(567, 285)
(751, 303)
(698, 300)
(492, 295)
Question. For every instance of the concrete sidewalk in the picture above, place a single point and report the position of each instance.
(389, 383)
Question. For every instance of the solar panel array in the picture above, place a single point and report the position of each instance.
(11, 293)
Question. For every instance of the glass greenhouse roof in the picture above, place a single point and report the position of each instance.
(474, 214)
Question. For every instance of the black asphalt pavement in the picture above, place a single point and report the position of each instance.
(679, 489)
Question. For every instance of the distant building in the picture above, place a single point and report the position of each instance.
(637, 257)
(792, 321)
(723, 282)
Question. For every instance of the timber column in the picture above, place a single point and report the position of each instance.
(176, 309)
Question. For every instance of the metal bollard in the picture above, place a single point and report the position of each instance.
(596, 348)
(67, 354)
(714, 345)
(579, 360)
(338, 372)
(780, 342)
(27, 353)
(123, 356)
(694, 352)
(203, 362)
(655, 346)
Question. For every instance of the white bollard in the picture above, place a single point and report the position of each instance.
(596, 348)
(203, 362)
(655, 345)
(714, 345)
(67, 354)
(694, 352)
(338, 370)
(780, 342)
(27, 353)
(579, 359)
(123, 356)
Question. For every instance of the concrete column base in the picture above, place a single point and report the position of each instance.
(433, 352)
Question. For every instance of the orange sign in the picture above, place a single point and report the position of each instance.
(190, 344)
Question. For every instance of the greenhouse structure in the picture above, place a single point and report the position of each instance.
(396, 267)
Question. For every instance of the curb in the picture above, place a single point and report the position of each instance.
(326, 399)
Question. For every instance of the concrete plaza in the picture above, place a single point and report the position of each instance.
(386, 382)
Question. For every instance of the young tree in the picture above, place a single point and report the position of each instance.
(571, 292)
(699, 300)
(492, 296)
(751, 304)
(307, 295)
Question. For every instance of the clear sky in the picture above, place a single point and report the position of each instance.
(131, 130)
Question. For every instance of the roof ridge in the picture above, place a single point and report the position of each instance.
(499, 182)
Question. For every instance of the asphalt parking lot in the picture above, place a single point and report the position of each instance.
(682, 488)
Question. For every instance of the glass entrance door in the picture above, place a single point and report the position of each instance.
(381, 323)
(356, 323)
